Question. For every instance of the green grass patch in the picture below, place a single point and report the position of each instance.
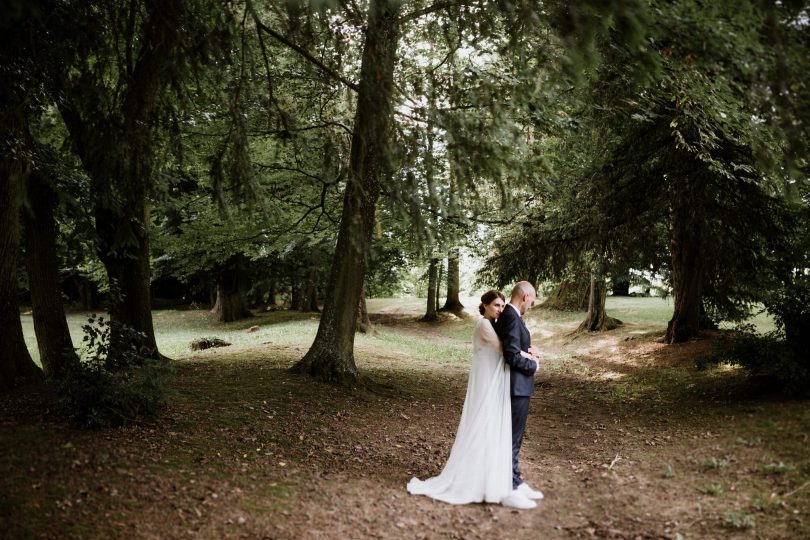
(738, 519)
(714, 490)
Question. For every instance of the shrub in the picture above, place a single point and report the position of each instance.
(112, 386)
(771, 357)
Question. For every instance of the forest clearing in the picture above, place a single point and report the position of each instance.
(626, 437)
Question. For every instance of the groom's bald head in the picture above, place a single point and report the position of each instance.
(523, 296)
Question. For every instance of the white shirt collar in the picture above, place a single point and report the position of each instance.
(515, 308)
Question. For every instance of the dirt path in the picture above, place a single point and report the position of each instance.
(626, 438)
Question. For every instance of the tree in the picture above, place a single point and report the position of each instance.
(20, 79)
(432, 291)
(332, 354)
(230, 304)
(683, 180)
(115, 68)
(15, 361)
(56, 353)
(452, 303)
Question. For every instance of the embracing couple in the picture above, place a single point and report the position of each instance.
(483, 463)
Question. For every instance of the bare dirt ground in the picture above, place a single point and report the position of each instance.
(626, 438)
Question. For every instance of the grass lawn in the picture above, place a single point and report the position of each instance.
(625, 436)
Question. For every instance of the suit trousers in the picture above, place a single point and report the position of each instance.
(520, 412)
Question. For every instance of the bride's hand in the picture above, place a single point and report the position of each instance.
(534, 352)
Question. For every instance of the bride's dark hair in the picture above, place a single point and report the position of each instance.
(487, 298)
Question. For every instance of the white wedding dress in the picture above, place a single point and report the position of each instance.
(479, 468)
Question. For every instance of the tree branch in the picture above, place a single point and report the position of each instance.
(303, 52)
(424, 11)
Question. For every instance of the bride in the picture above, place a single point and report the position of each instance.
(479, 468)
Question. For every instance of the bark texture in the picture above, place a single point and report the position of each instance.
(597, 319)
(363, 321)
(687, 221)
(452, 303)
(331, 356)
(433, 275)
(56, 352)
(230, 305)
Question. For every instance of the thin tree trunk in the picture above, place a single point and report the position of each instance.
(311, 293)
(433, 274)
(56, 351)
(230, 305)
(452, 303)
(271, 300)
(686, 244)
(331, 356)
(363, 321)
(296, 296)
(597, 319)
(438, 287)
(16, 365)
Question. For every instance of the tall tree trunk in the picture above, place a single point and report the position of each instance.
(433, 274)
(686, 244)
(452, 303)
(16, 364)
(331, 356)
(230, 305)
(363, 321)
(56, 351)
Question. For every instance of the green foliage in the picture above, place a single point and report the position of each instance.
(776, 468)
(770, 357)
(765, 504)
(738, 519)
(112, 386)
(714, 490)
(713, 463)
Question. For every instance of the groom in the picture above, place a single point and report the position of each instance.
(515, 338)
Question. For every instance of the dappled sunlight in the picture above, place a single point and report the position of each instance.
(611, 375)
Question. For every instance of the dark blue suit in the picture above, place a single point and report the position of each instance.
(515, 337)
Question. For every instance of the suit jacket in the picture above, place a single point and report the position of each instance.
(515, 337)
